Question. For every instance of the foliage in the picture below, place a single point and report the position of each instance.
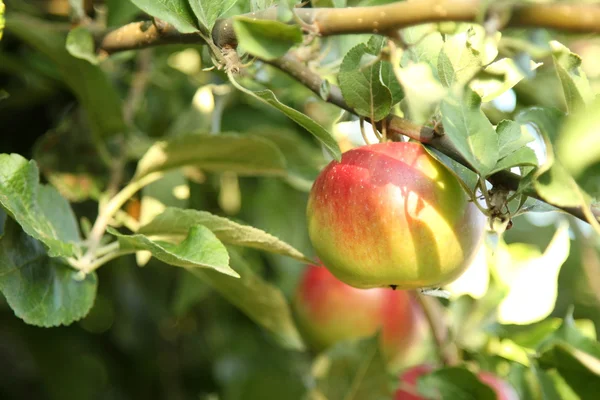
(199, 154)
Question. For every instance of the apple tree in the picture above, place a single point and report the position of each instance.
(322, 199)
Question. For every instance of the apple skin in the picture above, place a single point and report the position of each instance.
(389, 214)
(503, 390)
(328, 311)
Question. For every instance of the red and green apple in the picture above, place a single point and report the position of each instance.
(389, 214)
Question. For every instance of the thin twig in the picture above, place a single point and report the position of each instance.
(447, 354)
(109, 210)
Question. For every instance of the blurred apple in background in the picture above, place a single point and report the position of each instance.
(329, 311)
(408, 389)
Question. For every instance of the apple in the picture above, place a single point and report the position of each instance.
(389, 214)
(503, 390)
(329, 311)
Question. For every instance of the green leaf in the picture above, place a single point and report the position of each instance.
(352, 370)
(579, 369)
(425, 47)
(545, 385)
(520, 305)
(199, 249)
(523, 156)
(39, 209)
(467, 178)
(575, 356)
(575, 84)
(532, 205)
(569, 333)
(470, 131)
(578, 148)
(177, 222)
(304, 161)
(511, 137)
(281, 210)
(512, 140)
(41, 290)
(89, 84)
(361, 84)
(454, 383)
(3, 218)
(268, 97)
(242, 154)
(423, 92)
(558, 187)
(120, 12)
(458, 62)
(499, 77)
(176, 12)
(551, 180)
(259, 300)
(2, 7)
(80, 44)
(208, 11)
(377, 44)
(266, 39)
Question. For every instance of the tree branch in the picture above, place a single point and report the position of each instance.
(375, 19)
(400, 126)
(378, 19)
(139, 35)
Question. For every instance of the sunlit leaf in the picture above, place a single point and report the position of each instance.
(475, 280)
(466, 177)
(499, 77)
(199, 249)
(208, 11)
(177, 222)
(526, 303)
(2, 7)
(41, 290)
(39, 209)
(425, 47)
(578, 148)
(575, 84)
(377, 44)
(575, 356)
(303, 120)
(361, 85)
(266, 39)
(423, 92)
(470, 131)
(176, 12)
(458, 62)
(242, 154)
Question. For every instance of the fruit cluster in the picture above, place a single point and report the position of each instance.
(387, 216)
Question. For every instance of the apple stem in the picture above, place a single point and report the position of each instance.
(361, 123)
(434, 315)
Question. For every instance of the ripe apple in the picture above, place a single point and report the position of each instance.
(389, 214)
(329, 311)
(503, 390)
